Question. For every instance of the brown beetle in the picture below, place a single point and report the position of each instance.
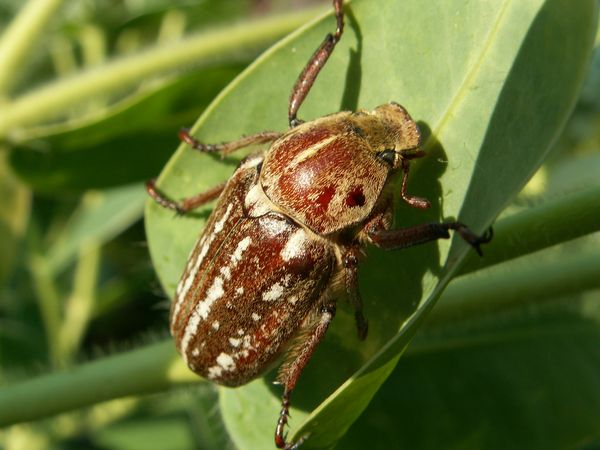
(283, 242)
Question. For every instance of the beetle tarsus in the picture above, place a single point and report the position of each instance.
(473, 239)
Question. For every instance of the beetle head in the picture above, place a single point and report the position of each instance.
(391, 132)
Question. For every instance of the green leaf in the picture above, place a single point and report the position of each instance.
(520, 380)
(491, 83)
(101, 216)
(125, 142)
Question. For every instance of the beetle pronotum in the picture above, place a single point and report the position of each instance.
(283, 241)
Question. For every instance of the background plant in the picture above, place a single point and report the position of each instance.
(92, 97)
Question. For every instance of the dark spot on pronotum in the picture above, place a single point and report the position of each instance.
(355, 197)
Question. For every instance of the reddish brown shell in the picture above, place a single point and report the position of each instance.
(249, 285)
(324, 174)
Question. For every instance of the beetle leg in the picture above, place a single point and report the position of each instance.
(289, 373)
(315, 64)
(227, 147)
(419, 234)
(412, 200)
(350, 259)
(185, 205)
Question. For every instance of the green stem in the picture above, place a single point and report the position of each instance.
(20, 36)
(555, 221)
(79, 305)
(152, 368)
(49, 303)
(522, 282)
(45, 102)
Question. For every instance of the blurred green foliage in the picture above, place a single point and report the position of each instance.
(90, 107)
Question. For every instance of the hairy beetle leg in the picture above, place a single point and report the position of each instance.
(315, 64)
(188, 204)
(351, 280)
(290, 373)
(419, 234)
(185, 205)
(227, 147)
(412, 200)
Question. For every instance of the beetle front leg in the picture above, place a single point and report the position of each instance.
(185, 205)
(289, 373)
(412, 200)
(350, 260)
(227, 147)
(419, 234)
(315, 64)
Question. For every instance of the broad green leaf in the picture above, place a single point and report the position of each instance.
(491, 83)
(525, 379)
(507, 359)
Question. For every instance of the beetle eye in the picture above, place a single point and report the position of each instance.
(389, 156)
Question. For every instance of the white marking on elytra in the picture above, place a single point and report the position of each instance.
(195, 352)
(255, 317)
(221, 222)
(226, 362)
(216, 325)
(214, 292)
(295, 246)
(240, 331)
(191, 262)
(186, 283)
(201, 312)
(226, 272)
(274, 226)
(187, 336)
(239, 290)
(241, 247)
(235, 342)
(274, 293)
(214, 372)
(293, 299)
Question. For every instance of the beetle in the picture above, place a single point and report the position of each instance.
(284, 240)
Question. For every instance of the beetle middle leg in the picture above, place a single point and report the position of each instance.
(188, 204)
(350, 260)
(227, 147)
(185, 205)
(290, 372)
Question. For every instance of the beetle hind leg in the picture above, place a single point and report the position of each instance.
(291, 370)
